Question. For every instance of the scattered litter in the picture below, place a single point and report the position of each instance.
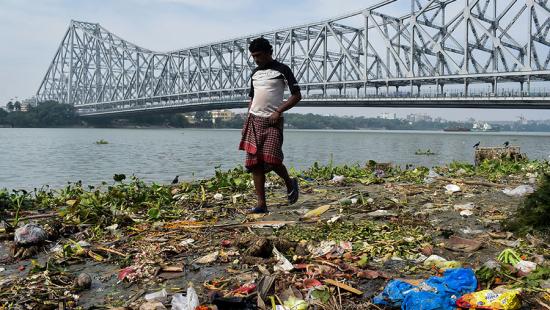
(488, 299)
(380, 213)
(466, 213)
(343, 286)
(467, 206)
(431, 177)
(187, 242)
(122, 274)
(84, 244)
(338, 179)
(236, 198)
(244, 290)
(172, 269)
(317, 212)
(379, 173)
(525, 266)
(188, 302)
(112, 229)
(434, 293)
(152, 306)
(263, 224)
(83, 281)
(283, 264)
(469, 231)
(338, 257)
(293, 303)
(321, 249)
(452, 188)
(519, 191)
(441, 262)
(459, 244)
(30, 234)
(159, 295)
(207, 259)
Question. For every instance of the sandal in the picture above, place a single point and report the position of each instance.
(258, 210)
(294, 193)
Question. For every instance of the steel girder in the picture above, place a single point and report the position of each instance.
(396, 43)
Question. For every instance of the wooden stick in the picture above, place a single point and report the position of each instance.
(482, 183)
(112, 251)
(37, 216)
(343, 286)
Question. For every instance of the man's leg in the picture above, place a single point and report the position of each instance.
(259, 184)
(291, 184)
(281, 171)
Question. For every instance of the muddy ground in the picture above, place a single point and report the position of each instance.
(379, 232)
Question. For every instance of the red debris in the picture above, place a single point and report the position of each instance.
(245, 289)
(308, 283)
(123, 273)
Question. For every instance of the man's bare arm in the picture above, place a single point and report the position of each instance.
(290, 103)
(287, 105)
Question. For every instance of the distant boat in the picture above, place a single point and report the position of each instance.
(457, 129)
(484, 127)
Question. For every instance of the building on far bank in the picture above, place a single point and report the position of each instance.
(387, 115)
(419, 118)
(26, 104)
(224, 115)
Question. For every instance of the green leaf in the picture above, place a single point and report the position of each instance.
(153, 213)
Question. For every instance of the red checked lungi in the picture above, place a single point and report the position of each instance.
(262, 141)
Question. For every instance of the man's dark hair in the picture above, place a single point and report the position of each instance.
(260, 45)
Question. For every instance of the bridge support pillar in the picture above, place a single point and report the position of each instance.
(494, 86)
(376, 88)
(418, 87)
(466, 84)
(521, 87)
(441, 86)
(529, 85)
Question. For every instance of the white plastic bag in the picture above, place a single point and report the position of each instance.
(519, 191)
(187, 302)
(30, 234)
(452, 188)
(156, 295)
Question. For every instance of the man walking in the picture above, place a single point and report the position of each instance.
(262, 134)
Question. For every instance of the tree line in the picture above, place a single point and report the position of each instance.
(54, 114)
(45, 114)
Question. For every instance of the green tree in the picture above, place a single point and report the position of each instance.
(204, 119)
(9, 106)
(3, 115)
(17, 106)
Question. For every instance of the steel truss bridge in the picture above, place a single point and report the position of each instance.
(398, 53)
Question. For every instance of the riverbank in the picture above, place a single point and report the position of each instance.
(344, 240)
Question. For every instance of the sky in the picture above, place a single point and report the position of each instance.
(31, 30)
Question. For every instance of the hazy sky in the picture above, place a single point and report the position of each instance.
(31, 30)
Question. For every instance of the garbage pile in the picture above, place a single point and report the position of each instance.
(361, 237)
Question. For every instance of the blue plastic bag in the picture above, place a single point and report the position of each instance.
(436, 293)
(393, 293)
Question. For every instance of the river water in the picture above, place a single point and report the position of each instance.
(35, 157)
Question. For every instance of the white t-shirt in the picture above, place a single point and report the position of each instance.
(268, 85)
